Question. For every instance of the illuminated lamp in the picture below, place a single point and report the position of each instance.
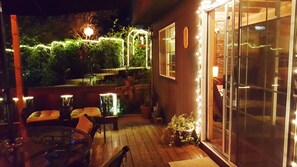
(66, 100)
(215, 71)
(111, 107)
(88, 31)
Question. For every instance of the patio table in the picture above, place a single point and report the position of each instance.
(47, 146)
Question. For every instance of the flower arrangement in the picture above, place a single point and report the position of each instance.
(180, 130)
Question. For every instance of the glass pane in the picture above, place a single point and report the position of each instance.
(167, 51)
(216, 38)
(262, 72)
(256, 11)
(162, 49)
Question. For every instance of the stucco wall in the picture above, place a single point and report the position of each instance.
(177, 96)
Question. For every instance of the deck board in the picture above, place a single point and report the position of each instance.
(147, 150)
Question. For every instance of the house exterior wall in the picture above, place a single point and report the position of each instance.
(177, 96)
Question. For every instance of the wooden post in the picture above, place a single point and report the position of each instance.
(18, 77)
(17, 64)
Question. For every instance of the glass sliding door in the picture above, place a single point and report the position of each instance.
(262, 74)
(250, 106)
(221, 90)
(218, 39)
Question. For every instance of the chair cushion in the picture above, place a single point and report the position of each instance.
(44, 115)
(90, 111)
(84, 124)
(77, 113)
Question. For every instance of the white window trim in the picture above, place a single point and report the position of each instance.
(166, 76)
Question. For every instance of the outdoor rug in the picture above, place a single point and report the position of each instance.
(199, 162)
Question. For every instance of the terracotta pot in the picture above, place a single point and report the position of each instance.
(146, 111)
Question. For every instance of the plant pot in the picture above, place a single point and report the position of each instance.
(183, 136)
(146, 111)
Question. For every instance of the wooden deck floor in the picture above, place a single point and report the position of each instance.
(145, 143)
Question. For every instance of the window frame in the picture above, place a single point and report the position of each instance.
(169, 53)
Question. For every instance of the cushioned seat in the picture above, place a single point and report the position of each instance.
(90, 111)
(44, 115)
(85, 124)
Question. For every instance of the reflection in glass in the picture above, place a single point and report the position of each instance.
(262, 73)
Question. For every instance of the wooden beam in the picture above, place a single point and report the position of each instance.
(17, 63)
(18, 78)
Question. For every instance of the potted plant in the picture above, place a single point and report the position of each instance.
(146, 107)
(179, 130)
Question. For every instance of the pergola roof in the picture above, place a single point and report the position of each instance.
(59, 7)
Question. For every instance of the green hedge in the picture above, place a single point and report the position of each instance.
(53, 64)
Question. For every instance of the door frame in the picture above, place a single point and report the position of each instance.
(208, 71)
(205, 70)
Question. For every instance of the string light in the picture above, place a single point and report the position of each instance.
(63, 43)
(199, 71)
(134, 33)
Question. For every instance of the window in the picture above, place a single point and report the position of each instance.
(167, 51)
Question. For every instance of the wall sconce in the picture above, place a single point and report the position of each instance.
(215, 71)
(66, 100)
(106, 97)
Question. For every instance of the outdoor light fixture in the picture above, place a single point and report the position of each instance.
(215, 71)
(106, 97)
(88, 31)
(66, 100)
(260, 28)
(28, 101)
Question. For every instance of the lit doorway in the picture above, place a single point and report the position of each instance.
(247, 109)
(221, 63)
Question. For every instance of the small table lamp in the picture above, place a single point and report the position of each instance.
(110, 107)
(66, 100)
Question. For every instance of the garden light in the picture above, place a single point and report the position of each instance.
(112, 107)
(88, 31)
(66, 100)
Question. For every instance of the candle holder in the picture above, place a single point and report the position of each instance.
(67, 100)
(66, 106)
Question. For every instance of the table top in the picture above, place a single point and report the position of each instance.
(47, 146)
